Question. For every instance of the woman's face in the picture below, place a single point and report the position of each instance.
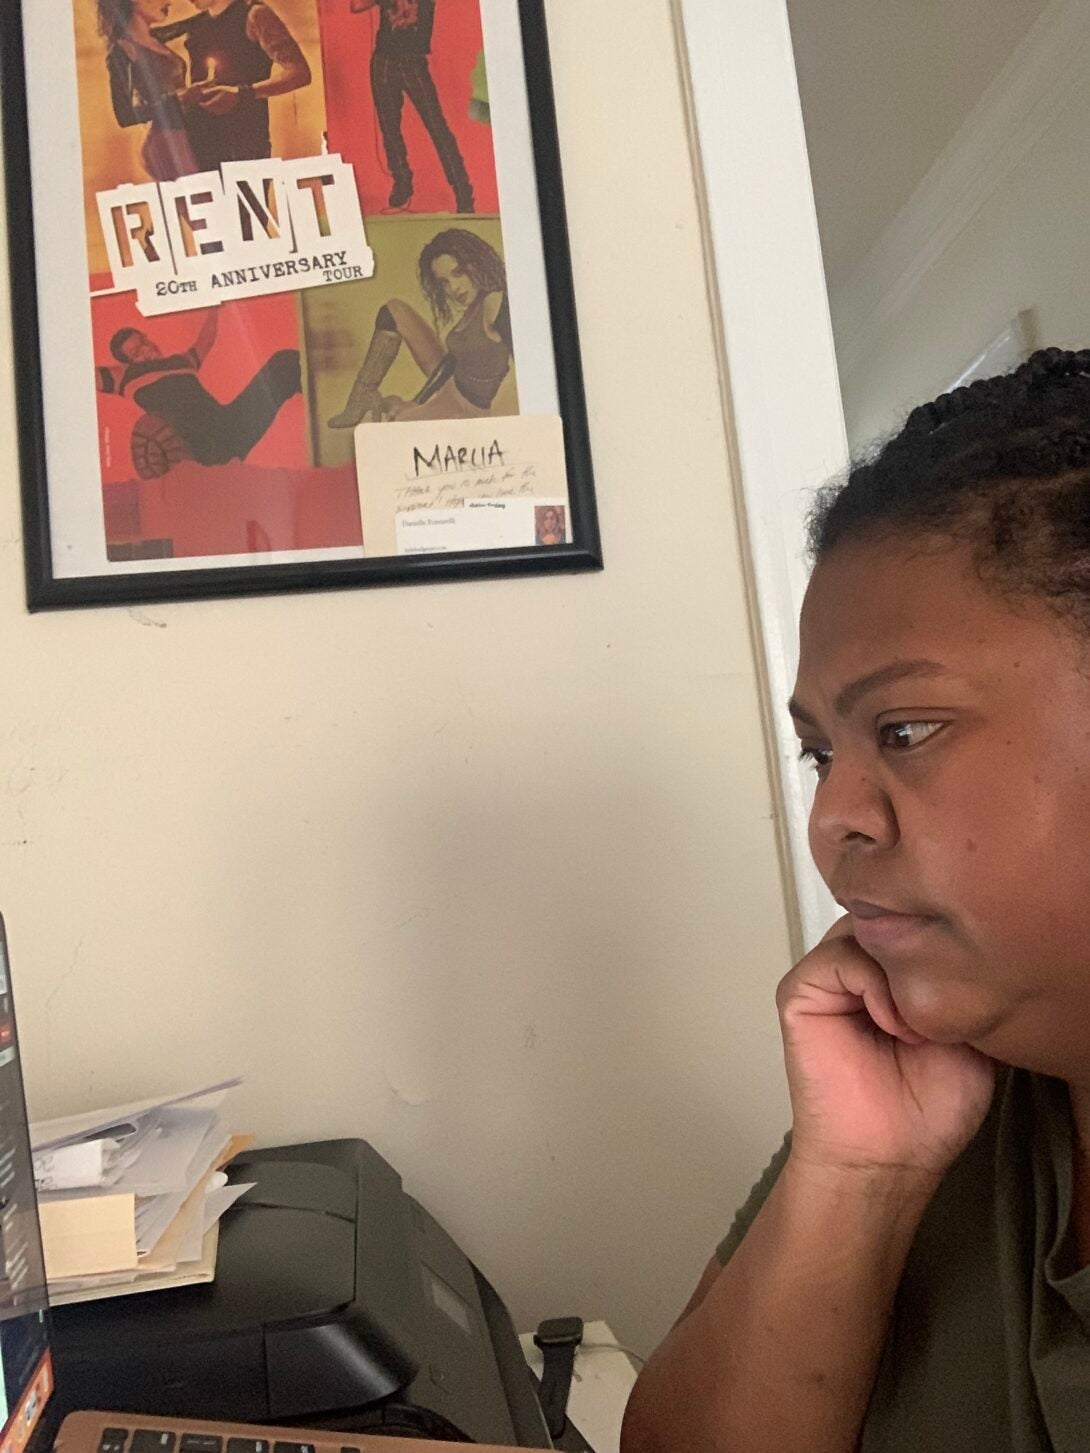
(550, 522)
(154, 12)
(951, 731)
(456, 283)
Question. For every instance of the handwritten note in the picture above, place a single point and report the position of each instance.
(462, 484)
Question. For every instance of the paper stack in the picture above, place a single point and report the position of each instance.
(130, 1198)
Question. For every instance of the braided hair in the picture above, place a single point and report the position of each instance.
(479, 258)
(1002, 465)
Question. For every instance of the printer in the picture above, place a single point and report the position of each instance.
(338, 1302)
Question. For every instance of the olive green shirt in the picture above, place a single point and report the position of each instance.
(989, 1346)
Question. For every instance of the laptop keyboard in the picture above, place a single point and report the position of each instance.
(150, 1440)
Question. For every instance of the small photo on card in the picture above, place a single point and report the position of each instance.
(550, 524)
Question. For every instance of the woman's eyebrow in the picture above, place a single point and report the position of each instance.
(850, 696)
(800, 714)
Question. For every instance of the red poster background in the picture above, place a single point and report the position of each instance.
(250, 332)
(275, 500)
(348, 42)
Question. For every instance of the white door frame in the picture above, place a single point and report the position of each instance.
(781, 388)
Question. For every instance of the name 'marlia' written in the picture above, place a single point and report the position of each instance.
(457, 458)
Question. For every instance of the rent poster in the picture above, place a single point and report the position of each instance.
(296, 233)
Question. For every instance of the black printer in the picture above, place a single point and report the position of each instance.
(338, 1302)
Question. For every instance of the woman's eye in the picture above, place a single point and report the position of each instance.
(902, 735)
(818, 757)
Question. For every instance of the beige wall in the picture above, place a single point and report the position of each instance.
(483, 873)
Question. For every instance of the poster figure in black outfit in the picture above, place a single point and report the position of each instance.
(181, 419)
(240, 54)
(400, 67)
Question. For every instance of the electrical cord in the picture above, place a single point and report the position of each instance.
(613, 1347)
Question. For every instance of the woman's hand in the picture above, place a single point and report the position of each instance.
(867, 1092)
(219, 100)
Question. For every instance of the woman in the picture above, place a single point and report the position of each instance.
(913, 1271)
(550, 526)
(462, 277)
(148, 84)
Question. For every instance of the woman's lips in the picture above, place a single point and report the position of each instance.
(878, 927)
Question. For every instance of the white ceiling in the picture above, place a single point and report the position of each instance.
(885, 85)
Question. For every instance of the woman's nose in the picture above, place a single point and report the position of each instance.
(851, 808)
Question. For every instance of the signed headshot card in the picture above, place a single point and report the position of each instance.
(463, 484)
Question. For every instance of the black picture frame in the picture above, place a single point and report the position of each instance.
(46, 591)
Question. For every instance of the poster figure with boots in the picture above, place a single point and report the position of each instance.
(400, 68)
(462, 277)
(180, 419)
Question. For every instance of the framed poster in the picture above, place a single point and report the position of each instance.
(292, 297)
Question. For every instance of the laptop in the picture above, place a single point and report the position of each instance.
(26, 1367)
